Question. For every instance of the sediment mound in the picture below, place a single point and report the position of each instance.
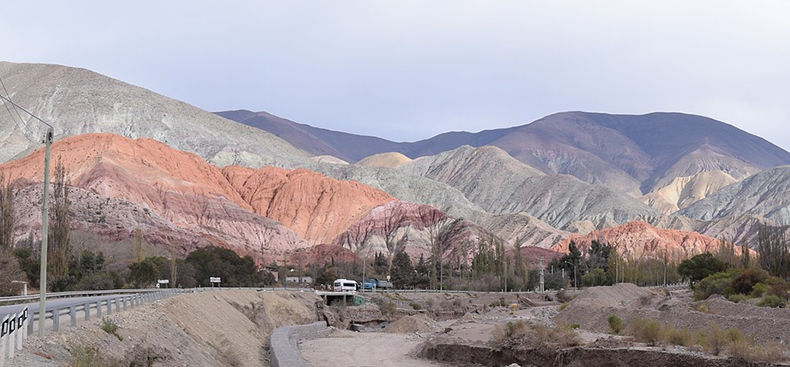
(413, 324)
(619, 295)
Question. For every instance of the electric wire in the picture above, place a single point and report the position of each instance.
(22, 127)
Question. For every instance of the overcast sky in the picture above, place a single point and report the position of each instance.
(407, 70)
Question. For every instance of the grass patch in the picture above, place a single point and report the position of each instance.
(110, 327)
(415, 306)
(563, 306)
(615, 324)
(646, 331)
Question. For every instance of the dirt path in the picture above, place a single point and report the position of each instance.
(346, 348)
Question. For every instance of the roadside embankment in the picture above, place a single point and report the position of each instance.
(284, 344)
(220, 328)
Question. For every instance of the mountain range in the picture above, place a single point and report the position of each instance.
(267, 186)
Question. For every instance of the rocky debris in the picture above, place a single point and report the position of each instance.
(640, 239)
(413, 324)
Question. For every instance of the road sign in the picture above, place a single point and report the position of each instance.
(215, 279)
(163, 281)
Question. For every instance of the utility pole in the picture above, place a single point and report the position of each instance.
(42, 305)
(542, 283)
(48, 139)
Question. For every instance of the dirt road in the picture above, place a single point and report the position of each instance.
(346, 348)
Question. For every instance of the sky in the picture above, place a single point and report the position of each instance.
(407, 70)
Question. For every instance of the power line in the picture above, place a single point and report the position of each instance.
(26, 111)
(21, 128)
(9, 96)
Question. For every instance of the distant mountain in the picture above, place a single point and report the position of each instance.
(634, 154)
(316, 141)
(500, 184)
(766, 194)
(78, 101)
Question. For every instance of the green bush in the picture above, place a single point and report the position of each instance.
(737, 297)
(596, 277)
(563, 296)
(772, 301)
(575, 326)
(719, 283)
(615, 324)
(110, 327)
(415, 306)
(563, 306)
(760, 289)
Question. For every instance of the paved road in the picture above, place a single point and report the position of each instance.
(52, 303)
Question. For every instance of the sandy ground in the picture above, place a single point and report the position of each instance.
(347, 348)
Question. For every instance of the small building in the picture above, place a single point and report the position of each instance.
(305, 280)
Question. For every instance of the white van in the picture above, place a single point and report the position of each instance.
(345, 285)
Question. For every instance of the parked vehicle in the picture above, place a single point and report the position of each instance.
(345, 285)
(376, 284)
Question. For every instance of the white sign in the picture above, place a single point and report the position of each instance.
(163, 281)
(215, 279)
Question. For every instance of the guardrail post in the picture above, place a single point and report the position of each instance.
(2, 340)
(117, 304)
(29, 325)
(98, 309)
(55, 319)
(73, 315)
(109, 308)
(124, 303)
(87, 308)
(11, 328)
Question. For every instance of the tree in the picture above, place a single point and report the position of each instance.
(6, 214)
(59, 250)
(235, 271)
(145, 273)
(402, 270)
(594, 278)
(701, 266)
(774, 250)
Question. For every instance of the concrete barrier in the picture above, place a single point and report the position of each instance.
(284, 343)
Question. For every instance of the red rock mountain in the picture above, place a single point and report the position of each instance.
(315, 206)
(230, 207)
(638, 239)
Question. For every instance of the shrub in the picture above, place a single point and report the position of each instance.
(760, 289)
(780, 290)
(415, 305)
(85, 356)
(647, 331)
(715, 341)
(744, 282)
(563, 296)
(680, 337)
(615, 324)
(499, 303)
(388, 309)
(575, 326)
(563, 306)
(772, 301)
(110, 327)
(719, 283)
(737, 297)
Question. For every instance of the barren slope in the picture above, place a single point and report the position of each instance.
(766, 194)
(78, 101)
(315, 206)
(500, 184)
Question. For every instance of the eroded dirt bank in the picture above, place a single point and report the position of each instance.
(221, 328)
(459, 354)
